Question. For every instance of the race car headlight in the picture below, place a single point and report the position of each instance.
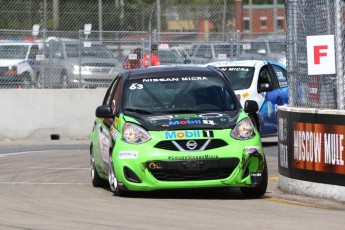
(243, 130)
(134, 134)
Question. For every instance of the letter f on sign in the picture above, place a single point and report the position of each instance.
(321, 55)
(318, 53)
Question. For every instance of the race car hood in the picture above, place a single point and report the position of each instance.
(215, 120)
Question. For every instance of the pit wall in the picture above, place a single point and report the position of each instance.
(311, 148)
(38, 113)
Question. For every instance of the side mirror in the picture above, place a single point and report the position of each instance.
(104, 111)
(251, 106)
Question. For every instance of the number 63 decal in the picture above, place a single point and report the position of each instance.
(136, 86)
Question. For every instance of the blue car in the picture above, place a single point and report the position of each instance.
(262, 81)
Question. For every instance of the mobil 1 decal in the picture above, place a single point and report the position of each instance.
(207, 133)
(188, 134)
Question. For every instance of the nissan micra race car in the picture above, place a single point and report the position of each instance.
(262, 81)
(175, 128)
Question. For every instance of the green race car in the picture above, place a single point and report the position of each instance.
(178, 127)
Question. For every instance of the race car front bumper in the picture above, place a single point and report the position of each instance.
(235, 166)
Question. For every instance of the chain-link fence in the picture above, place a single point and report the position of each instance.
(74, 43)
(308, 18)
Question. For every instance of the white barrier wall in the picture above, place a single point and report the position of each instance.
(38, 113)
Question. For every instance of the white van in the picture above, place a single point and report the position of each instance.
(18, 65)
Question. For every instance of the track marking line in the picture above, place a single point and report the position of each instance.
(57, 168)
(34, 151)
(273, 178)
(278, 200)
(42, 183)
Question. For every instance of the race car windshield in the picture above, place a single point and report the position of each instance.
(182, 94)
(239, 77)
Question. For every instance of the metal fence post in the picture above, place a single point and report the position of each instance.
(339, 53)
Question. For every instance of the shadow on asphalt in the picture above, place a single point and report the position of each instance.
(199, 194)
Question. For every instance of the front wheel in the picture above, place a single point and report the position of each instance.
(260, 189)
(96, 180)
(26, 83)
(113, 183)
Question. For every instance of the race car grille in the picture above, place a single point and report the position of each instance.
(191, 145)
(193, 170)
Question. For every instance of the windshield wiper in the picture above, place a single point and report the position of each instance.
(142, 111)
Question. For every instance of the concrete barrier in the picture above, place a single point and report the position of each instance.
(38, 113)
(311, 152)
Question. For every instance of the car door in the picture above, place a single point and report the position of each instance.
(273, 97)
(103, 125)
(53, 64)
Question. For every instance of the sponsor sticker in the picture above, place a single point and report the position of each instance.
(116, 121)
(128, 154)
(185, 122)
(190, 134)
(104, 142)
(114, 132)
(184, 157)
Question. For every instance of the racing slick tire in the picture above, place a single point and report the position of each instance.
(96, 180)
(113, 183)
(260, 189)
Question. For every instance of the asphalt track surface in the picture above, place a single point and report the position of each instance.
(46, 185)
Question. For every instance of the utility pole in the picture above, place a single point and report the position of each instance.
(100, 19)
(158, 19)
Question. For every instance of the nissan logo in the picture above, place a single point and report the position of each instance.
(191, 145)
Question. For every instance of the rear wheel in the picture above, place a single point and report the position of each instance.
(113, 183)
(260, 189)
(96, 180)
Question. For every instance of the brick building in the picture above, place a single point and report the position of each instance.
(259, 18)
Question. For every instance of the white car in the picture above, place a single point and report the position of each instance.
(18, 65)
(262, 81)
